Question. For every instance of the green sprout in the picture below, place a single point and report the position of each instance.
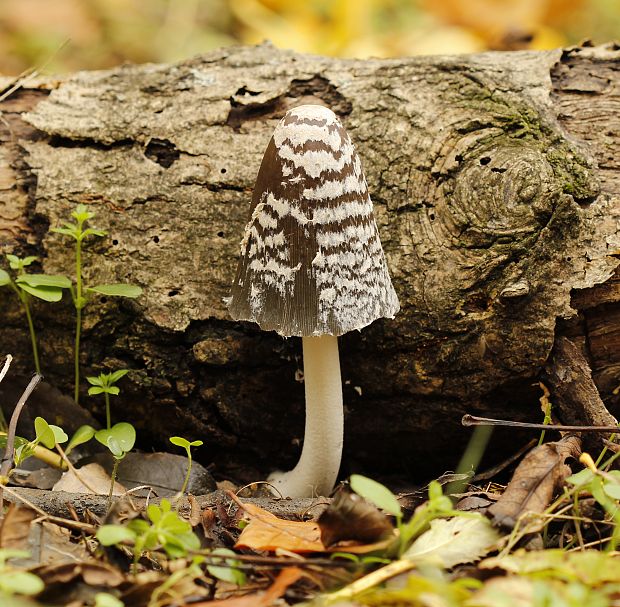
(80, 292)
(46, 434)
(104, 384)
(187, 445)
(13, 581)
(119, 439)
(165, 529)
(43, 286)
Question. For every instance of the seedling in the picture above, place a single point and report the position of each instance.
(187, 445)
(43, 286)
(80, 292)
(46, 434)
(438, 505)
(104, 384)
(119, 439)
(165, 529)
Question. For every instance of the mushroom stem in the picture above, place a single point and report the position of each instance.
(317, 469)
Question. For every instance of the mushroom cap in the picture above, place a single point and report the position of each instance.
(311, 259)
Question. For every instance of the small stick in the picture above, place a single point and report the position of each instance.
(473, 420)
(7, 460)
(5, 368)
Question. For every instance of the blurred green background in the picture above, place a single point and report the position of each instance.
(103, 33)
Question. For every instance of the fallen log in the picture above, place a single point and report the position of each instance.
(496, 189)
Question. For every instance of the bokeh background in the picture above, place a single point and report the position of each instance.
(67, 35)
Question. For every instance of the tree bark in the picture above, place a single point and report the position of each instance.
(495, 180)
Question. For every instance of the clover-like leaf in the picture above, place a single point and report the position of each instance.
(375, 493)
(44, 433)
(120, 438)
(117, 290)
(44, 280)
(82, 435)
(109, 535)
(5, 279)
(51, 294)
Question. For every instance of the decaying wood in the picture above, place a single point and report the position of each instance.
(65, 505)
(576, 397)
(495, 180)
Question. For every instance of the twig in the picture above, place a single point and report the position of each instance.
(7, 460)
(473, 420)
(5, 368)
(71, 467)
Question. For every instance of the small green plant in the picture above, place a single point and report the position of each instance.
(104, 384)
(46, 434)
(80, 291)
(229, 569)
(187, 445)
(43, 286)
(438, 505)
(604, 486)
(119, 439)
(165, 530)
(13, 581)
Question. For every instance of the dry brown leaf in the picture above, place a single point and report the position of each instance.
(92, 474)
(535, 481)
(350, 517)
(15, 527)
(287, 577)
(266, 531)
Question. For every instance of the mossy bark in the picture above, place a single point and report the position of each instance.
(495, 180)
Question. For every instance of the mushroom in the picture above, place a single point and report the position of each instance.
(312, 266)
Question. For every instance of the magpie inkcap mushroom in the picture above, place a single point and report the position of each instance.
(312, 266)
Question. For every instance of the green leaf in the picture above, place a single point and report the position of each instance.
(66, 231)
(113, 390)
(120, 438)
(114, 377)
(96, 390)
(376, 493)
(583, 477)
(612, 489)
(20, 582)
(44, 280)
(104, 599)
(450, 542)
(81, 213)
(109, 535)
(92, 232)
(82, 435)
(179, 441)
(117, 290)
(51, 294)
(5, 279)
(60, 436)
(95, 381)
(227, 573)
(45, 434)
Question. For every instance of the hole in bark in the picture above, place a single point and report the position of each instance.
(173, 292)
(222, 171)
(220, 234)
(155, 239)
(498, 170)
(458, 158)
(104, 300)
(162, 152)
(432, 216)
(485, 160)
(114, 241)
